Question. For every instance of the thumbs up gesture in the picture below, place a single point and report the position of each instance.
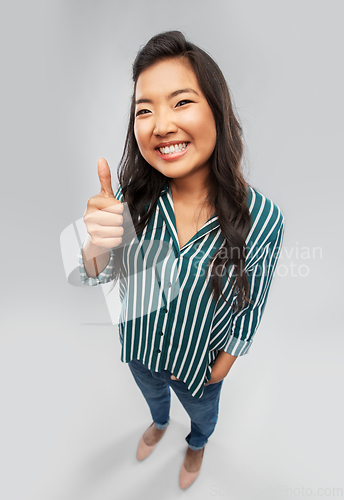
(103, 217)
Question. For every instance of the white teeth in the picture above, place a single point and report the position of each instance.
(173, 149)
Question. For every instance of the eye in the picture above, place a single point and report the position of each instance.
(184, 101)
(142, 111)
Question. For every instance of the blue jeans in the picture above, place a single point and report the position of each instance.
(203, 412)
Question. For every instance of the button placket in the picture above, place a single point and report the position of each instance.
(168, 294)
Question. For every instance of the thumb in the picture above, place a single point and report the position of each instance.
(104, 175)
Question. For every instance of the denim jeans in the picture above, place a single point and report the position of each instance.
(203, 412)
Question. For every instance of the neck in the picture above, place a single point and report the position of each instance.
(192, 190)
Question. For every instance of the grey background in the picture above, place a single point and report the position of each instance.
(71, 415)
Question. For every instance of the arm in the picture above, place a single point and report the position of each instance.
(103, 219)
(221, 367)
(246, 322)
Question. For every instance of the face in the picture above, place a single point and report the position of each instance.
(171, 110)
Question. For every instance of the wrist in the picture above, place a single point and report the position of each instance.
(215, 376)
(90, 250)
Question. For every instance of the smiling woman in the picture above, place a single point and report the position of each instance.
(195, 280)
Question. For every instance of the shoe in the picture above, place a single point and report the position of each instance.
(144, 450)
(186, 478)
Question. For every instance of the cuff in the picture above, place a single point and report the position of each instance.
(104, 277)
(237, 347)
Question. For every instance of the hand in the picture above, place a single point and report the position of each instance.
(213, 379)
(103, 217)
(207, 383)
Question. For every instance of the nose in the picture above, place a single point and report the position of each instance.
(164, 124)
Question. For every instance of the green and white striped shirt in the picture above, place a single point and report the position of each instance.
(169, 317)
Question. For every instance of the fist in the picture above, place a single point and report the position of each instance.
(103, 217)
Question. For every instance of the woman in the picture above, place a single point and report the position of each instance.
(194, 281)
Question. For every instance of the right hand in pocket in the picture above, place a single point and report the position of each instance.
(103, 217)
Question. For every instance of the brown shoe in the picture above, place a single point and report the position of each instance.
(144, 449)
(191, 461)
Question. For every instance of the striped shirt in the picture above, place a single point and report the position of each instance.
(169, 316)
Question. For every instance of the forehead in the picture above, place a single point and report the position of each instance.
(164, 77)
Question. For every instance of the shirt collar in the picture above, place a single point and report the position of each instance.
(165, 204)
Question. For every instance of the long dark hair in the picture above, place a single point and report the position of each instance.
(227, 191)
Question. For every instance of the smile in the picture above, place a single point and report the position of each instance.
(173, 149)
(173, 152)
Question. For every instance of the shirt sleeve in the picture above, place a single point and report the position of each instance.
(107, 274)
(245, 323)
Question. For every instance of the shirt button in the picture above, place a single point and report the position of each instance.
(160, 333)
(169, 284)
(158, 350)
(165, 310)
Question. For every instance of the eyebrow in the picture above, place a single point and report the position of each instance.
(174, 94)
